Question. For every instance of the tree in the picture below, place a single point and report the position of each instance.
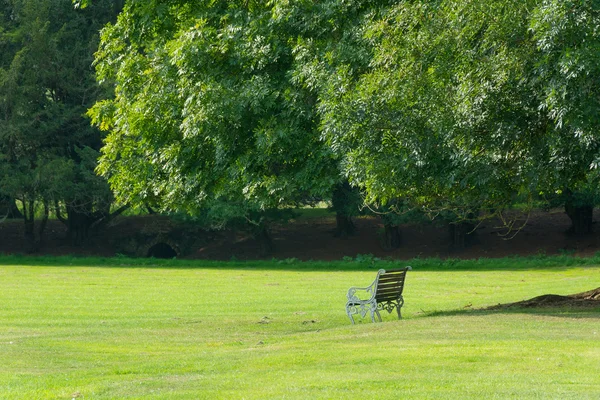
(346, 202)
(215, 117)
(226, 108)
(329, 30)
(568, 50)
(47, 147)
(445, 106)
(469, 107)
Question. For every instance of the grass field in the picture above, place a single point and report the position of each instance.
(120, 328)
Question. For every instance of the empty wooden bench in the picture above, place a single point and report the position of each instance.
(385, 293)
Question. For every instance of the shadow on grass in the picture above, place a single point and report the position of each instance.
(360, 263)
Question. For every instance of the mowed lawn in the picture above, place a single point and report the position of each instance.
(279, 331)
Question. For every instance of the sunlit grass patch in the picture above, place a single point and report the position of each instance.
(237, 330)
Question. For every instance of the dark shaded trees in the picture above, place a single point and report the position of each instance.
(568, 70)
(8, 208)
(48, 150)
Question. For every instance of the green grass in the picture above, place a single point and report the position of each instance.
(123, 328)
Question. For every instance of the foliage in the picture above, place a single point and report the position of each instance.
(214, 117)
(443, 106)
(431, 120)
(468, 106)
(48, 149)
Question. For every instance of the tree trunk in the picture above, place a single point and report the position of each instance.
(103, 218)
(29, 221)
(462, 235)
(82, 220)
(78, 223)
(262, 235)
(43, 223)
(344, 226)
(582, 218)
(30, 235)
(344, 203)
(392, 237)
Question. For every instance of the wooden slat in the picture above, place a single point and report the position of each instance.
(386, 298)
(389, 294)
(389, 284)
(388, 274)
(391, 281)
(393, 274)
(390, 290)
(396, 270)
(386, 295)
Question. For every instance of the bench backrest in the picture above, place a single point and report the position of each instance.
(390, 285)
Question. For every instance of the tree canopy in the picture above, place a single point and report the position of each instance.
(469, 105)
(206, 110)
(438, 105)
(48, 149)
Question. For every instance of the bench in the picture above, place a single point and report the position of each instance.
(385, 293)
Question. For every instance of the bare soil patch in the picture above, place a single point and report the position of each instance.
(589, 299)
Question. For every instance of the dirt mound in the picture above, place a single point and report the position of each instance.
(589, 299)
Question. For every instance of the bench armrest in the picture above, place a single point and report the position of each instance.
(368, 291)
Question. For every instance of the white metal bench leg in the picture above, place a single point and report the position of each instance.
(351, 318)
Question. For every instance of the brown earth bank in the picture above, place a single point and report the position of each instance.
(308, 239)
(589, 299)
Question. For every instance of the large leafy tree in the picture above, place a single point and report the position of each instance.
(48, 150)
(431, 120)
(468, 105)
(215, 103)
(567, 37)
(450, 107)
(206, 111)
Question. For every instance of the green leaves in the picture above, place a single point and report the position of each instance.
(48, 150)
(214, 115)
(443, 104)
(451, 108)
